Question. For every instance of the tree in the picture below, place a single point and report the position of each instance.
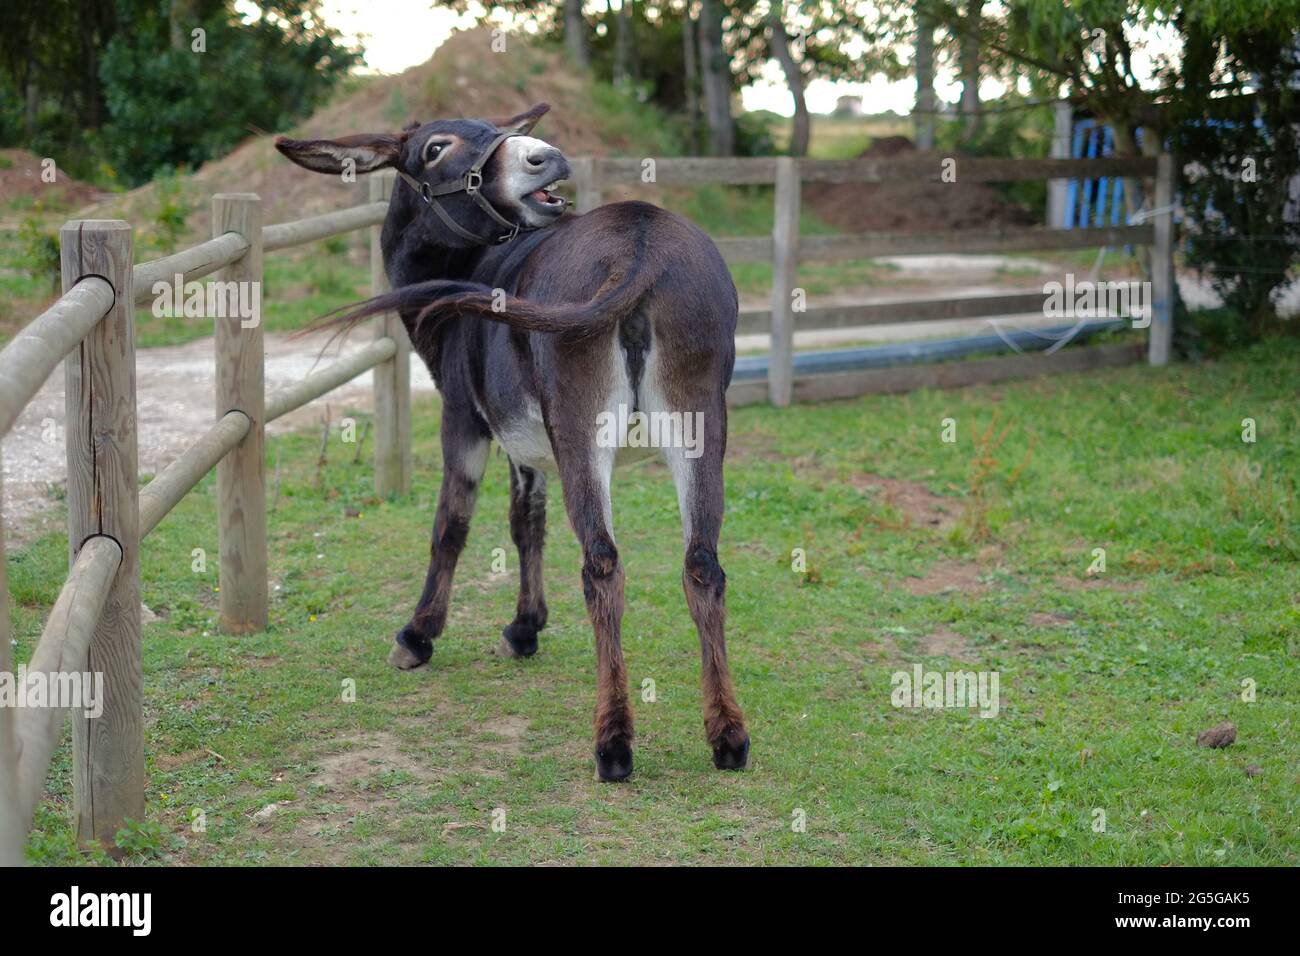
(575, 34)
(716, 79)
(1237, 58)
(122, 80)
(801, 129)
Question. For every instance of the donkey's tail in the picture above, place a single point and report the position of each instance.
(440, 299)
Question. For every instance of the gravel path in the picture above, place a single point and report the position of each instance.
(174, 400)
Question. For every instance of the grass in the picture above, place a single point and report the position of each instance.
(1105, 680)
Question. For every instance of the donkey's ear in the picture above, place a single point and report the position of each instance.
(367, 151)
(524, 122)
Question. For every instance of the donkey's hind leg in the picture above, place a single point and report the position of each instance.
(697, 473)
(464, 457)
(528, 531)
(585, 473)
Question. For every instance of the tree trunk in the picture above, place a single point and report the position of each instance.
(575, 34)
(923, 112)
(716, 74)
(32, 105)
(690, 78)
(800, 128)
(970, 70)
(178, 17)
(623, 46)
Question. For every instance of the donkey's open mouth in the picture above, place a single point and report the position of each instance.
(545, 197)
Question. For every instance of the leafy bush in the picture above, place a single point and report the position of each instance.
(1242, 227)
(38, 252)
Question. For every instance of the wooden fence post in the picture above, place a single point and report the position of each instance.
(12, 836)
(100, 427)
(1058, 190)
(584, 177)
(1163, 289)
(785, 261)
(392, 378)
(241, 491)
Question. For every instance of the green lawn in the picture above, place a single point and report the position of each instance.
(1105, 680)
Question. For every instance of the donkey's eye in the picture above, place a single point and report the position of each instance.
(432, 151)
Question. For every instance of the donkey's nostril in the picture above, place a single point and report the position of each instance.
(540, 155)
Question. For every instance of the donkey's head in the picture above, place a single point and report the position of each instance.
(472, 181)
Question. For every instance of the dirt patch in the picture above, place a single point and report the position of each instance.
(1048, 619)
(350, 789)
(509, 733)
(342, 773)
(920, 506)
(945, 642)
(947, 576)
(913, 206)
(1094, 583)
(21, 175)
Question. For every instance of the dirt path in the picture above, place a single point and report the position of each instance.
(174, 399)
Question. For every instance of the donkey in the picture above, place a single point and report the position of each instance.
(532, 325)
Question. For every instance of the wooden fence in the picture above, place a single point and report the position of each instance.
(785, 248)
(95, 623)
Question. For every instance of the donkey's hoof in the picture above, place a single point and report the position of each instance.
(518, 640)
(731, 756)
(406, 657)
(614, 762)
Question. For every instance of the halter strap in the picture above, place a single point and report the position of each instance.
(470, 184)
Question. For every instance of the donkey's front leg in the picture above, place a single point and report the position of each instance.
(528, 531)
(464, 457)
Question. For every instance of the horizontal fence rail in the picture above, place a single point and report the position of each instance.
(63, 648)
(610, 172)
(37, 350)
(285, 400)
(321, 227)
(193, 263)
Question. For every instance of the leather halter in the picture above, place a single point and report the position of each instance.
(470, 184)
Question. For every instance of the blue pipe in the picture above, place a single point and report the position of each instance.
(919, 353)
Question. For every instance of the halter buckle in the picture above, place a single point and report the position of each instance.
(473, 180)
(501, 240)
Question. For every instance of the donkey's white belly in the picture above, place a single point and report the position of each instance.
(524, 439)
(527, 443)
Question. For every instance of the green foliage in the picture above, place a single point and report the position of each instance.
(167, 218)
(754, 135)
(1243, 226)
(38, 249)
(178, 107)
(122, 87)
(144, 840)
